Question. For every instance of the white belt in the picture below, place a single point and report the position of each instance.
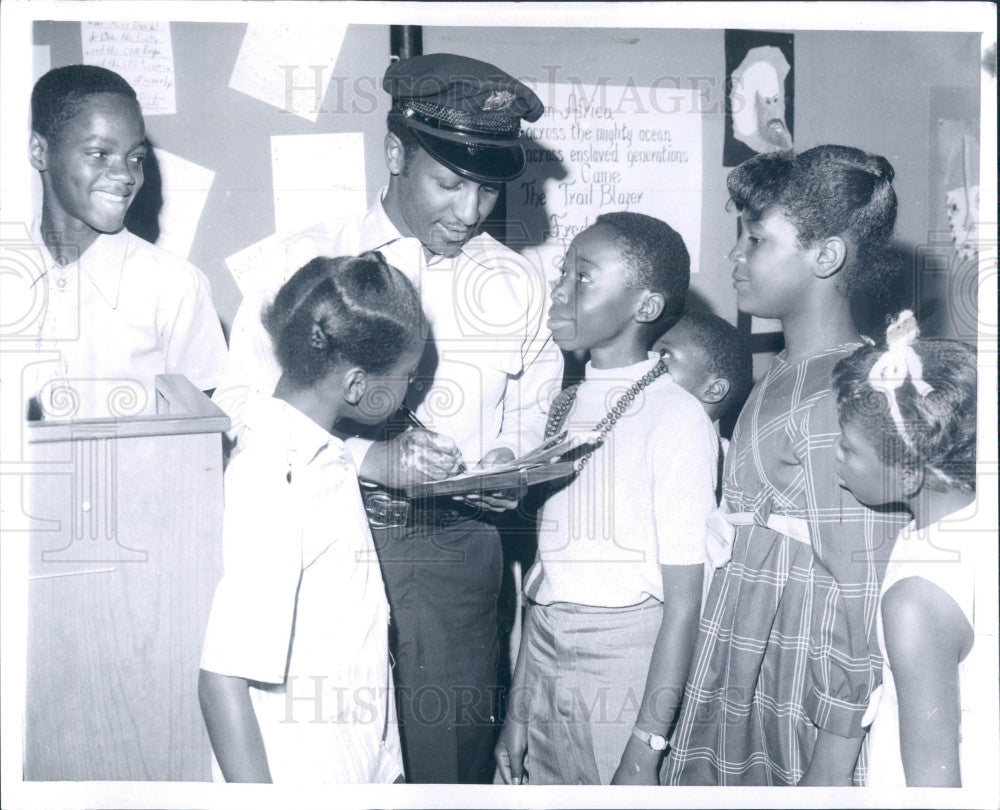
(721, 530)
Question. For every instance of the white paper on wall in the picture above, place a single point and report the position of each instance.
(185, 189)
(245, 265)
(142, 53)
(601, 148)
(317, 177)
(41, 61)
(288, 66)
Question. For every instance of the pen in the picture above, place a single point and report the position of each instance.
(414, 421)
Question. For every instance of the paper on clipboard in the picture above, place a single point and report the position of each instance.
(546, 462)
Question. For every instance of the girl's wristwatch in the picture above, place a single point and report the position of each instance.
(655, 741)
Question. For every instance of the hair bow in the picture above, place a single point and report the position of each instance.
(898, 364)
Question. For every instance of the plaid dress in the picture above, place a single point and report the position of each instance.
(786, 641)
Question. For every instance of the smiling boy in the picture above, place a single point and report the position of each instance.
(118, 310)
(615, 590)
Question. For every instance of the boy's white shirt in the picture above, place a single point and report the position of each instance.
(120, 314)
(639, 503)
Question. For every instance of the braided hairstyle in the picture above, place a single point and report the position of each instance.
(354, 309)
(940, 426)
(830, 191)
(62, 92)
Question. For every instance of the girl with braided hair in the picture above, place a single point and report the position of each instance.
(295, 683)
(786, 657)
(908, 435)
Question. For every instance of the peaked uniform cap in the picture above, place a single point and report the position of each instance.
(465, 113)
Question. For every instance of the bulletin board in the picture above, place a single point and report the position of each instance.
(237, 160)
(283, 125)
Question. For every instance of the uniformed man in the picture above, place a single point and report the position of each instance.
(484, 384)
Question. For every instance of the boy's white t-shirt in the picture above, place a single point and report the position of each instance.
(120, 314)
(639, 503)
(301, 609)
(962, 561)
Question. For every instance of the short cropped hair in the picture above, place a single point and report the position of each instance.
(355, 309)
(727, 356)
(656, 254)
(829, 191)
(940, 426)
(395, 124)
(62, 92)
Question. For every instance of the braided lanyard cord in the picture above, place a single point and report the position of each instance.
(562, 404)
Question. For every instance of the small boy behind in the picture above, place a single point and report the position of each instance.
(710, 359)
(117, 309)
(615, 590)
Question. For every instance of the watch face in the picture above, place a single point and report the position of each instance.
(655, 741)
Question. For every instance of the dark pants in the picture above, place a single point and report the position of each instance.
(442, 584)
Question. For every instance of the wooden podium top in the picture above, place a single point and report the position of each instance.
(180, 409)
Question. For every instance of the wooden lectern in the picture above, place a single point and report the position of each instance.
(121, 579)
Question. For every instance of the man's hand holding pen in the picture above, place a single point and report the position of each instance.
(417, 454)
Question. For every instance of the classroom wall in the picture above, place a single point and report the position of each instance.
(869, 89)
(866, 89)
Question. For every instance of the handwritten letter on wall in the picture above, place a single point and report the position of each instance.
(141, 53)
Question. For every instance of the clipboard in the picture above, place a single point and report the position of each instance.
(547, 462)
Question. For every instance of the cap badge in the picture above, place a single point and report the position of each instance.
(498, 101)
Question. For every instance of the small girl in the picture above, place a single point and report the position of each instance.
(295, 684)
(784, 662)
(908, 435)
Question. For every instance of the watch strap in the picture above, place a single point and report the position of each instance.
(655, 741)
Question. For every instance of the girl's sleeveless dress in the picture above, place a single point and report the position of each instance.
(786, 640)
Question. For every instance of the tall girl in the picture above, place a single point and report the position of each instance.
(908, 419)
(784, 663)
(295, 683)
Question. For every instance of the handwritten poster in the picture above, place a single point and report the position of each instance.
(142, 53)
(598, 149)
(317, 177)
(288, 66)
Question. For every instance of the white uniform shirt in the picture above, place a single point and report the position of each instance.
(639, 503)
(963, 563)
(301, 609)
(120, 314)
(497, 366)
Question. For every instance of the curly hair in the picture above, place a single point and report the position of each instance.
(358, 309)
(656, 254)
(830, 191)
(940, 426)
(62, 92)
(727, 356)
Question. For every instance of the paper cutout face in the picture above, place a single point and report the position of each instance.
(962, 205)
(758, 100)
